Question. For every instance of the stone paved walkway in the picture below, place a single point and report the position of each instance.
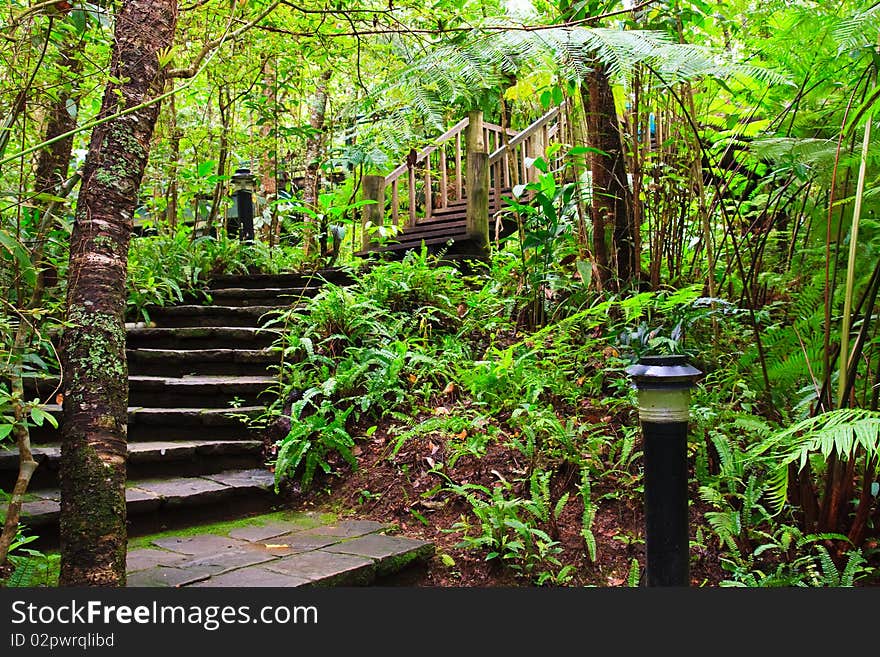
(277, 554)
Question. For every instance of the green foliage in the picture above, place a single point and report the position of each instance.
(509, 528)
(845, 433)
(800, 560)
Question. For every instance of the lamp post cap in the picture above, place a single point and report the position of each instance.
(663, 371)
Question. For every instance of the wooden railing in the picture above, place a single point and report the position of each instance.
(509, 164)
(433, 162)
(438, 175)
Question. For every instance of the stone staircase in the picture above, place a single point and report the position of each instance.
(195, 375)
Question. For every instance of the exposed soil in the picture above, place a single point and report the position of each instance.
(406, 492)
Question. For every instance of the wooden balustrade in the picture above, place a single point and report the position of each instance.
(427, 173)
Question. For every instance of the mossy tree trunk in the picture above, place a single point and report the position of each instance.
(612, 198)
(93, 449)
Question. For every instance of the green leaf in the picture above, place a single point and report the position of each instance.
(18, 251)
(38, 415)
(585, 271)
(5, 430)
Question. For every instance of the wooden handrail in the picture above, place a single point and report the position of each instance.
(525, 134)
(457, 129)
(507, 164)
(425, 152)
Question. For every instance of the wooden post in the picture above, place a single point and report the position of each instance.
(536, 147)
(374, 213)
(429, 201)
(411, 175)
(478, 198)
(444, 180)
(475, 140)
(458, 191)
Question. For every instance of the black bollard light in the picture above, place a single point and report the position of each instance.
(664, 389)
(243, 188)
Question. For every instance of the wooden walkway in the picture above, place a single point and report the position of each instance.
(450, 195)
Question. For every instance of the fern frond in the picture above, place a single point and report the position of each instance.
(859, 30)
(842, 431)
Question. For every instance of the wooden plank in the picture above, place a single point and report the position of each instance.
(412, 196)
(458, 167)
(395, 203)
(444, 182)
(374, 213)
(428, 200)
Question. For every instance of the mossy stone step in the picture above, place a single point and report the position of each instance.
(191, 390)
(332, 275)
(181, 362)
(151, 496)
(280, 554)
(144, 452)
(169, 423)
(244, 297)
(201, 337)
(213, 315)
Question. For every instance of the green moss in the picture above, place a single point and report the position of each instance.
(95, 352)
(104, 242)
(95, 516)
(306, 521)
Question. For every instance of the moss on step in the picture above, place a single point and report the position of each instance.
(307, 520)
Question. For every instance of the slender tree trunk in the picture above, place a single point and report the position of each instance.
(611, 194)
(224, 100)
(317, 111)
(174, 136)
(269, 134)
(598, 218)
(94, 444)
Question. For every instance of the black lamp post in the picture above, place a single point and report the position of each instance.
(664, 388)
(243, 182)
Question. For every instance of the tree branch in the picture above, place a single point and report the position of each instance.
(192, 69)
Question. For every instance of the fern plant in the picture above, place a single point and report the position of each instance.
(845, 433)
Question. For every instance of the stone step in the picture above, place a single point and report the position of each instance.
(147, 424)
(151, 502)
(183, 362)
(146, 459)
(245, 297)
(214, 315)
(334, 275)
(278, 554)
(201, 337)
(209, 391)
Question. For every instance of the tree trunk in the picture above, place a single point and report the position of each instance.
(317, 111)
(224, 100)
(93, 447)
(611, 193)
(269, 165)
(174, 136)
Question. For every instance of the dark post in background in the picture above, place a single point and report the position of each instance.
(243, 189)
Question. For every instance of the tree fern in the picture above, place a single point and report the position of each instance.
(845, 432)
(859, 30)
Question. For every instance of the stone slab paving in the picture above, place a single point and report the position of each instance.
(278, 554)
